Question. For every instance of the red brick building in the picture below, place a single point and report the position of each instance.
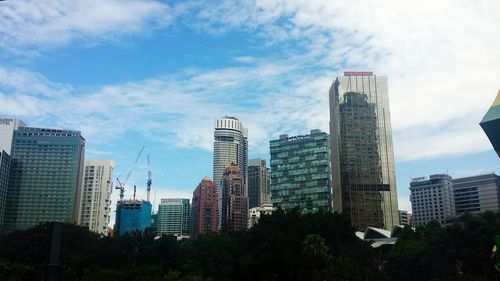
(204, 207)
(234, 202)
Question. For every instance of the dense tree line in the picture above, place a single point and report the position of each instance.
(283, 246)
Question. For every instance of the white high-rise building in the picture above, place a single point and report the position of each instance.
(7, 127)
(432, 199)
(96, 195)
(230, 146)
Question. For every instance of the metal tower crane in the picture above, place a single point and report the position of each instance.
(150, 180)
(119, 184)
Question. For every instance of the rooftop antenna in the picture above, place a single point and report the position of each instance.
(150, 181)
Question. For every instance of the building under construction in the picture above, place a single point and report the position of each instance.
(132, 215)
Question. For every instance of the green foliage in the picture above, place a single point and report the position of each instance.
(458, 252)
(283, 246)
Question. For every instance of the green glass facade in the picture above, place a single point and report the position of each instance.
(301, 172)
(173, 217)
(46, 177)
(4, 183)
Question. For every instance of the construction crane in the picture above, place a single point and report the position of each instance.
(150, 181)
(119, 184)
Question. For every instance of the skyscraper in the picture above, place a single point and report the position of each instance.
(364, 182)
(96, 195)
(432, 199)
(258, 183)
(4, 183)
(173, 217)
(46, 177)
(204, 207)
(234, 202)
(7, 127)
(300, 172)
(491, 124)
(230, 146)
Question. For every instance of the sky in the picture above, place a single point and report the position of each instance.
(130, 73)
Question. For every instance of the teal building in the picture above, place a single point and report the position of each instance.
(46, 177)
(301, 172)
(491, 124)
(4, 183)
(132, 215)
(173, 217)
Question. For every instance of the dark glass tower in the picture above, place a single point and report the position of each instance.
(258, 183)
(364, 182)
(4, 183)
(46, 177)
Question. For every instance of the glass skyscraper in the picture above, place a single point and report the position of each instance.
(4, 183)
(301, 173)
(173, 217)
(46, 177)
(258, 183)
(364, 182)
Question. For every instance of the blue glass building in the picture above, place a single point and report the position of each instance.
(132, 215)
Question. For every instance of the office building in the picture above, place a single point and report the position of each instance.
(300, 172)
(7, 127)
(96, 195)
(432, 199)
(255, 213)
(364, 182)
(234, 201)
(4, 183)
(404, 217)
(132, 215)
(46, 177)
(258, 183)
(204, 207)
(173, 217)
(230, 146)
(476, 194)
(491, 124)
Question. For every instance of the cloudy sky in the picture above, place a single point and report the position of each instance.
(133, 73)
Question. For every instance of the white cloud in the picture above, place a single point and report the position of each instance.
(54, 23)
(441, 58)
(404, 204)
(441, 70)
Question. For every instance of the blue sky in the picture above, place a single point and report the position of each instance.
(158, 73)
